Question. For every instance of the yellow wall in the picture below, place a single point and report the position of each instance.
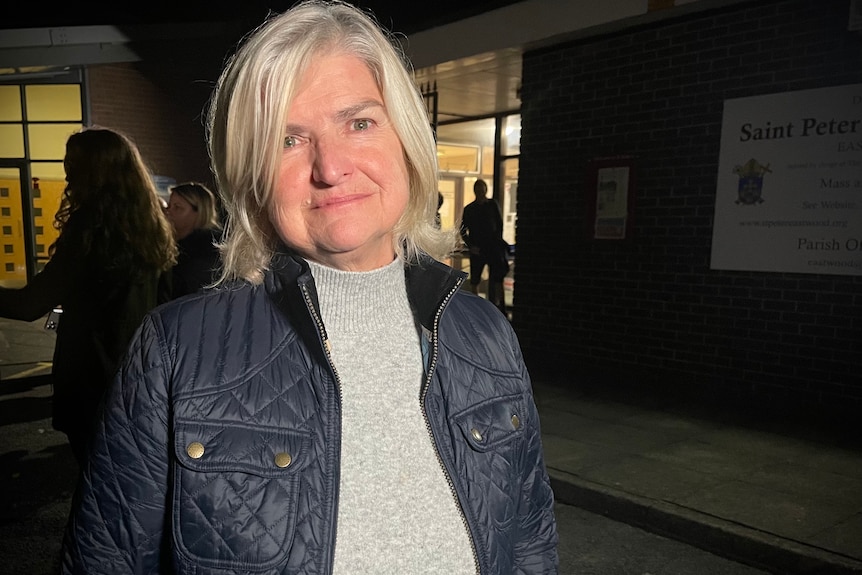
(51, 191)
(52, 113)
(13, 269)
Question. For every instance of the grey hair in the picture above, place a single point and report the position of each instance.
(247, 115)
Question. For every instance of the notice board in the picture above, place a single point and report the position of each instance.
(789, 186)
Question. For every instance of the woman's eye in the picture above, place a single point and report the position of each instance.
(360, 125)
(290, 141)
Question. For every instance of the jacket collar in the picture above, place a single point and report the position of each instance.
(429, 282)
(429, 285)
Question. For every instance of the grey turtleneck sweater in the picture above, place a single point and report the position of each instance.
(396, 511)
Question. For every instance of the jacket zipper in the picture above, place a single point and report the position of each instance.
(422, 396)
(327, 346)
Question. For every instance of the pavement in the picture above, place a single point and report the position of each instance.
(779, 491)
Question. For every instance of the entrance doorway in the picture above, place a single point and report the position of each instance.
(16, 236)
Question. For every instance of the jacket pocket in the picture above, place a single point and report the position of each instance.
(493, 423)
(236, 493)
(491, 454)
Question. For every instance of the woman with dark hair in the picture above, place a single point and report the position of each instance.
(193, 213)
(114, 245)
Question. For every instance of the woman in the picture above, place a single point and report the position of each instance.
(114, 244)
(339, 384)
(194, 218)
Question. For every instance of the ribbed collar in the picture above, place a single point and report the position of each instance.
(360, 301)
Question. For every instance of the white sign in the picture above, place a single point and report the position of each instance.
(789, 188)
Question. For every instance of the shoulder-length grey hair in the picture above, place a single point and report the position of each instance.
(247, 115)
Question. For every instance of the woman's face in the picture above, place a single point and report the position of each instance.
(70, 162)
(182, 215)
(343, 181)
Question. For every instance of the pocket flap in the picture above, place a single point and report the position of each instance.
(489, 424)
(262, 451)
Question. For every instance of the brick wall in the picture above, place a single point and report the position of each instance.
(160, 103)
(121, 97)
(648, 311)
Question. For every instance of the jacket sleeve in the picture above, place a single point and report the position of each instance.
(44, 291)
(120, 510)
(498, 218)
(536, 548)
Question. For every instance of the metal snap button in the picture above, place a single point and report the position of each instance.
(283, 459)
(195, 449)
(476, 435)
(516, 421)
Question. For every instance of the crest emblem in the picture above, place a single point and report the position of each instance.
(750, 188)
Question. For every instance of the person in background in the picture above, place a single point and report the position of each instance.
(193, 213)
(105, 268)
(337, 384)
(482, 232)
(437, 218)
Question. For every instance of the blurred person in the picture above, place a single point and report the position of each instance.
(437, 218)
(193, 213)
(337, 381)
(482, 232)
(104, 271)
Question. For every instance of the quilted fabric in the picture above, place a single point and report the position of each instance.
(220, 455)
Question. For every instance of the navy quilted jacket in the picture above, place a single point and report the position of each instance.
(218, 452)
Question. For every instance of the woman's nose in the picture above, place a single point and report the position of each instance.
(333, 160)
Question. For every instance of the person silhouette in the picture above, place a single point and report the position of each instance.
(105, 272)
(437, 220)
(482, 232)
